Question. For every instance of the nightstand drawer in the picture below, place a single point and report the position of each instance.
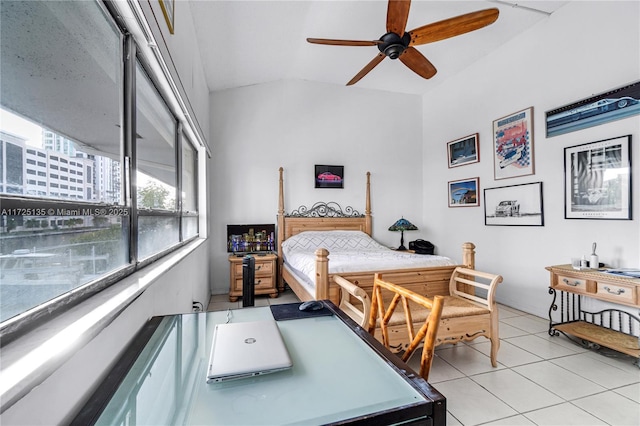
(576, 285)
(261, 283)
(261, 268)
(617, 292)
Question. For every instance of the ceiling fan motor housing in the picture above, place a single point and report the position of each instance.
(393, 45)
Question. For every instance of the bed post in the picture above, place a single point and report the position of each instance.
(367, 211)
(280, 231)
(469, 255)
(322, 274)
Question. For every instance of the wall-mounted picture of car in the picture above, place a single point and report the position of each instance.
(513, 145)
(599, 109)
(463, 151)
(597, 180)
(329, 176)
(464, 193)
(518, 205)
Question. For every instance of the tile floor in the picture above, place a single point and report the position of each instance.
(540, 380)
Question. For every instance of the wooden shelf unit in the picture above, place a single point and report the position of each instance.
(612, 328)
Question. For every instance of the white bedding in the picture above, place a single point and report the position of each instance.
(350, 251)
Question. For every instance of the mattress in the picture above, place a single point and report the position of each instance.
(349, 251)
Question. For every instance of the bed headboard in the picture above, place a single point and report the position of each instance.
(321, 216)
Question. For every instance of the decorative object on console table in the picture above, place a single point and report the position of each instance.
(616, 329)
(402, 225)
(597, 180)
(265, 275)
(513, 145)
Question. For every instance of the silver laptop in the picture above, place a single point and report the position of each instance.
(246, 349)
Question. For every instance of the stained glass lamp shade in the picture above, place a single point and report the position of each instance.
(402, 225)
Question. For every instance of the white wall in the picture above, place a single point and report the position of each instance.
(584, 48)
(297, 124)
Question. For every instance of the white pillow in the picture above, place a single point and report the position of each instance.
(331, 240)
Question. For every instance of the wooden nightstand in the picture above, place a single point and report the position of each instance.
(265, 281)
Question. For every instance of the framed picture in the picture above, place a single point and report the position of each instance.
(463, 151)
(329, 176)
(515, 205)
(168, 10)
(597, 180)
(603, 108)
(464, 193)
(513, 145)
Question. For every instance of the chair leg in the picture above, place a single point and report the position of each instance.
(495, 339)
(495, 345)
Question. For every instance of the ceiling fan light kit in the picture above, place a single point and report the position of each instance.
(398, 43)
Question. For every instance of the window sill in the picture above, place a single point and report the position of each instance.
(29, 360)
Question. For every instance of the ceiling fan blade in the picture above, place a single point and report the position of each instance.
(418, 63)
(453, 26)
(343, 42)
(364, 71)
(397, 15)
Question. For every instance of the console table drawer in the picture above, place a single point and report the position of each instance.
(617, 293)
(575, 285)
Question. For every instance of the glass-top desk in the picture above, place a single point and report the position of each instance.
(340, 375)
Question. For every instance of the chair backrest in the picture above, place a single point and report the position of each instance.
(381, 316)
(361, 316)
(464, 277)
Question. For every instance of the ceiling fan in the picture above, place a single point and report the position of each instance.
(398, 43)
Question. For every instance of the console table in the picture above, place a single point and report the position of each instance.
(612, 328)
(340, 375)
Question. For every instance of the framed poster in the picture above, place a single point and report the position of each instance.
(168, 10)
(603, 108)
(515, 205)
(513, 145)
(464, 193)
(597, 180)
(463, 151)
(329, 176)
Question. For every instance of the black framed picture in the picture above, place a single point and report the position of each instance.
(597, 180)
(515, 205)
(599, 109)
(329, 176)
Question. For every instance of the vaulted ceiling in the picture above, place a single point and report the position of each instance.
(245, 43)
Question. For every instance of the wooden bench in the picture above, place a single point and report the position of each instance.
(469, 312)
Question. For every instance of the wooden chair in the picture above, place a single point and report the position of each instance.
(381, 316)
(470, 309)
(348, 290)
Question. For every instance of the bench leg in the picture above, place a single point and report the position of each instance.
(495, 339)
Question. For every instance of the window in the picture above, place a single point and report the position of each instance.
(65, 238)
(156, 169)
(189, 189)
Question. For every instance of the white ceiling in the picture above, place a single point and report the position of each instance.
(251, 42)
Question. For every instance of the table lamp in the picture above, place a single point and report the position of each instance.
(402, 225)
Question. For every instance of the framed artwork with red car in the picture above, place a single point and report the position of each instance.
(329, 176)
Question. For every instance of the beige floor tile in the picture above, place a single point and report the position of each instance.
(565, 414)
(611, 407)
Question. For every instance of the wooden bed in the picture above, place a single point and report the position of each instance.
(322, 216)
